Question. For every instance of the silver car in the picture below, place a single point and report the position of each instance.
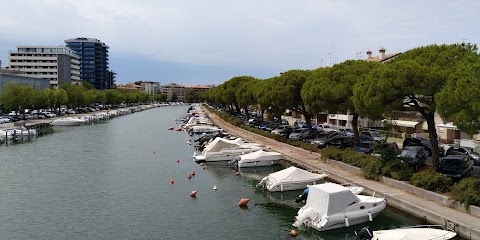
(299, 134)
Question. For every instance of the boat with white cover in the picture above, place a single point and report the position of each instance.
(331, 206)
(291, 178)
(260, 158)
(68, 121)
(221, 149)
(20, 132)
(420, 232)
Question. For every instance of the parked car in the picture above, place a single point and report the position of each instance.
(413, 155)
(423, 142)
(460, 150)
(323, 138)
(345, 131)
(50, 115)
(311, 135)
(326, 128)
(4, 120)
(298, 134)
(283, 130)
(38, 115)
(366, 147)
(341, 141)
(456, 166)
(372, 136)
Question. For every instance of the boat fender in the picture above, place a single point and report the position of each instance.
(201, 164)
(215, 187)
(293, 233)
(370, 217)
(347, 223)
(324, 222)
(178, 160)
(237, 173)
(281, 187)
(193, 194)
(243, 202)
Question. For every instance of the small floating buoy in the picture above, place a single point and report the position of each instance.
(183, 159)
(193, 172)
(237, 173)
(215, 187)
(178, 160)
(153, 151)
(293, 233)
(193, 194)
(202, 164)
(172, 181)
(170, 128)
(243, 202)
(189, 176)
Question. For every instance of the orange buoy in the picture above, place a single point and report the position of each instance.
(179, 129)
(189, 176)
(193, 194)
(237, 173)
(243, 202)
(293, 233)
(170, 128)
(172, 181)
(193, 172)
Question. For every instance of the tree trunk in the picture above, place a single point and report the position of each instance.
(356, 135)
(432, 133)
(308, 121)
(246, 112)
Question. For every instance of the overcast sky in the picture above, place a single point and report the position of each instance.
(208, 42)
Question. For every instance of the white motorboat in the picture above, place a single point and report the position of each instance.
(421, 232)
(291, 178)
(221, 149)
(199, 129)
(330, 206)
(20, 132)
(68, 121)
(259, 158)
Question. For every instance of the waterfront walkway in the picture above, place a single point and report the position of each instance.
(467, 225)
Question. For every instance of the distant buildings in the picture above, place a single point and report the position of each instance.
(58, 64)
(19, 77)
(179, 92)
(382, 57)
(93, 61)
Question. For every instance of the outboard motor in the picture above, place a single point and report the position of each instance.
(302, 197)
(365, 234)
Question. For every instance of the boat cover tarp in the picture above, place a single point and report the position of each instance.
(293, 175)
(329, 198)
(261, 155)
(220, 143)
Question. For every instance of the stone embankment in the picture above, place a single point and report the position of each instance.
(431, 207)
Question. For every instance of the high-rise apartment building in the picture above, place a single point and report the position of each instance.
(93, 61)
(58, 64)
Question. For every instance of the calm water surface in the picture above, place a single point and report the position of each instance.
(112, 181)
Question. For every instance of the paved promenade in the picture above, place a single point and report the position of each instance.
(467, 225)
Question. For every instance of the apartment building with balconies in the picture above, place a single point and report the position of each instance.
(59, 64)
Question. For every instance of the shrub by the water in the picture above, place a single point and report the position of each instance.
(467, 191)
(397, 170)
(372, 169)
(432, 181)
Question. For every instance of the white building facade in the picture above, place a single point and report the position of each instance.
(58, 64)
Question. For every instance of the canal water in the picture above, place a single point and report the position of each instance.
(113, 181)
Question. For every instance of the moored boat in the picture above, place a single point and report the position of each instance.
(291, 178)
(68, 121)
(259, 158)
(420, 232)
(331, 206)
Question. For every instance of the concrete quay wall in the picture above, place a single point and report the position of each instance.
(432, 207)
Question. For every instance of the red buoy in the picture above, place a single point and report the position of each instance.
(243, 202)
(237, 173)
(179, 129)
(193, 172)
(172, 181)
(178, 160)
(193, 194)
(170, 128)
